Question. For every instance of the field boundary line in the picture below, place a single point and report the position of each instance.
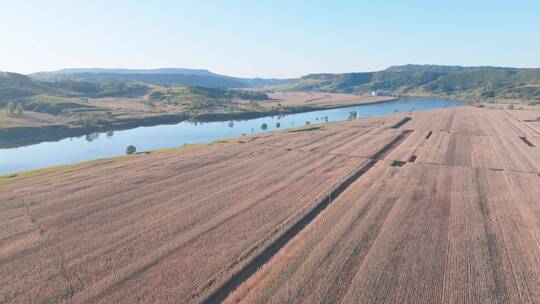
(222, 292)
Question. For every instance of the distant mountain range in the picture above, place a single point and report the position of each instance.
(418, 80)
(126, 71)
(165, 76)
(446, 69)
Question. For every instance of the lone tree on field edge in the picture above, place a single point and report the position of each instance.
(131, 149)
(10, 109)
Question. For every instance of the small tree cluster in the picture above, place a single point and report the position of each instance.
(9, 109)
(12, 109)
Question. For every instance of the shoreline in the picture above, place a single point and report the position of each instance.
(7, 175)
(17, 137)
(234, 139)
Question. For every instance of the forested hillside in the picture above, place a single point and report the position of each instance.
(16, 87)
(451, 81)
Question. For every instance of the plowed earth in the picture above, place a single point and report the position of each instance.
(438, 206)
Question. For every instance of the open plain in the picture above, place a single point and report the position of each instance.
(439, 206)
(320, 100)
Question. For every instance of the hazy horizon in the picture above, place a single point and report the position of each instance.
(267, 40)
(202, 68)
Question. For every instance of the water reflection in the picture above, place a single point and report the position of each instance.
(111, 143)
(91, 137)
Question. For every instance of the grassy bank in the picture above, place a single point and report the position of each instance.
(21, 135)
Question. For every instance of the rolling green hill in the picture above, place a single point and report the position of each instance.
(69, 97)
(446, 69)
(14, 86)
(17, 87)
(96, 83)
(431, 80)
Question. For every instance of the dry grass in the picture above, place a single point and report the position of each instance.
(459, 224)
(322, 100)
(31, 119)
(122, 104)
(119, 107)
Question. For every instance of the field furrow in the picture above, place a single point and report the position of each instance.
(437, 206)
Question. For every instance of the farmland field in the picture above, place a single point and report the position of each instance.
(439, 206)
(113, 143)
(46, 117)
(320, 100)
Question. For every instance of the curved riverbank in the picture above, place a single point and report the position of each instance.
(23, 136)
(103, 144)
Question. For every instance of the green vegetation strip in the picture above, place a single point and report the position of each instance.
(305, 130)
(401, 122)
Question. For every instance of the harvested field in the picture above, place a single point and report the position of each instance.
(30, 119)
(426, 207)
(322, 100)
(122, 104)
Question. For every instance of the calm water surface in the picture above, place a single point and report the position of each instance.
(100, 145)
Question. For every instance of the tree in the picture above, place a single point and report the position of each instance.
(9, 109)
(131, 149)
(19, 109)
(264, 126)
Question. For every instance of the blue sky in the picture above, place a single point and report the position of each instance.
(266, 38)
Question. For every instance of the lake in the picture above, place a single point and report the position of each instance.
(101, 145)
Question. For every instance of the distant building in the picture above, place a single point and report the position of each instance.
(380, 93)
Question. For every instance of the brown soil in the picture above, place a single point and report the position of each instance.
(322, 100)
(31, 119)
(315, 216)
(122, 104)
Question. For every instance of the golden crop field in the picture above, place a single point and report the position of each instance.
(440, 206)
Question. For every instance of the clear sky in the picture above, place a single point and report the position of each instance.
(266, 38)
